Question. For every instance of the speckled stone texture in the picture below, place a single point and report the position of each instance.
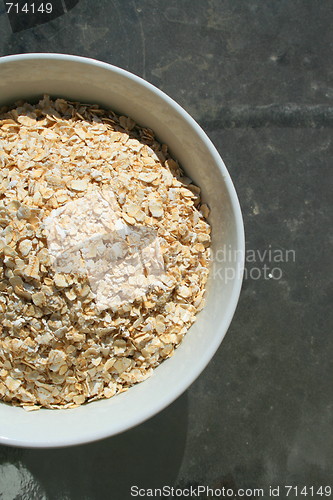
(257, 75)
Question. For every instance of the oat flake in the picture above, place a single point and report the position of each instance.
(104, 249)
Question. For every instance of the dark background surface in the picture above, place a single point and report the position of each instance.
(258, 76)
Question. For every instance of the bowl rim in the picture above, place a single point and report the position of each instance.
(163, 401)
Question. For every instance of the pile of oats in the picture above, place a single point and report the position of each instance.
(104, 252)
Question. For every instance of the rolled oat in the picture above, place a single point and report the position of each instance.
(104, 252)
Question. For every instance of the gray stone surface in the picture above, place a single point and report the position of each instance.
(258, 77)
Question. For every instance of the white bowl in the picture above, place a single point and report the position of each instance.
(87, 80)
